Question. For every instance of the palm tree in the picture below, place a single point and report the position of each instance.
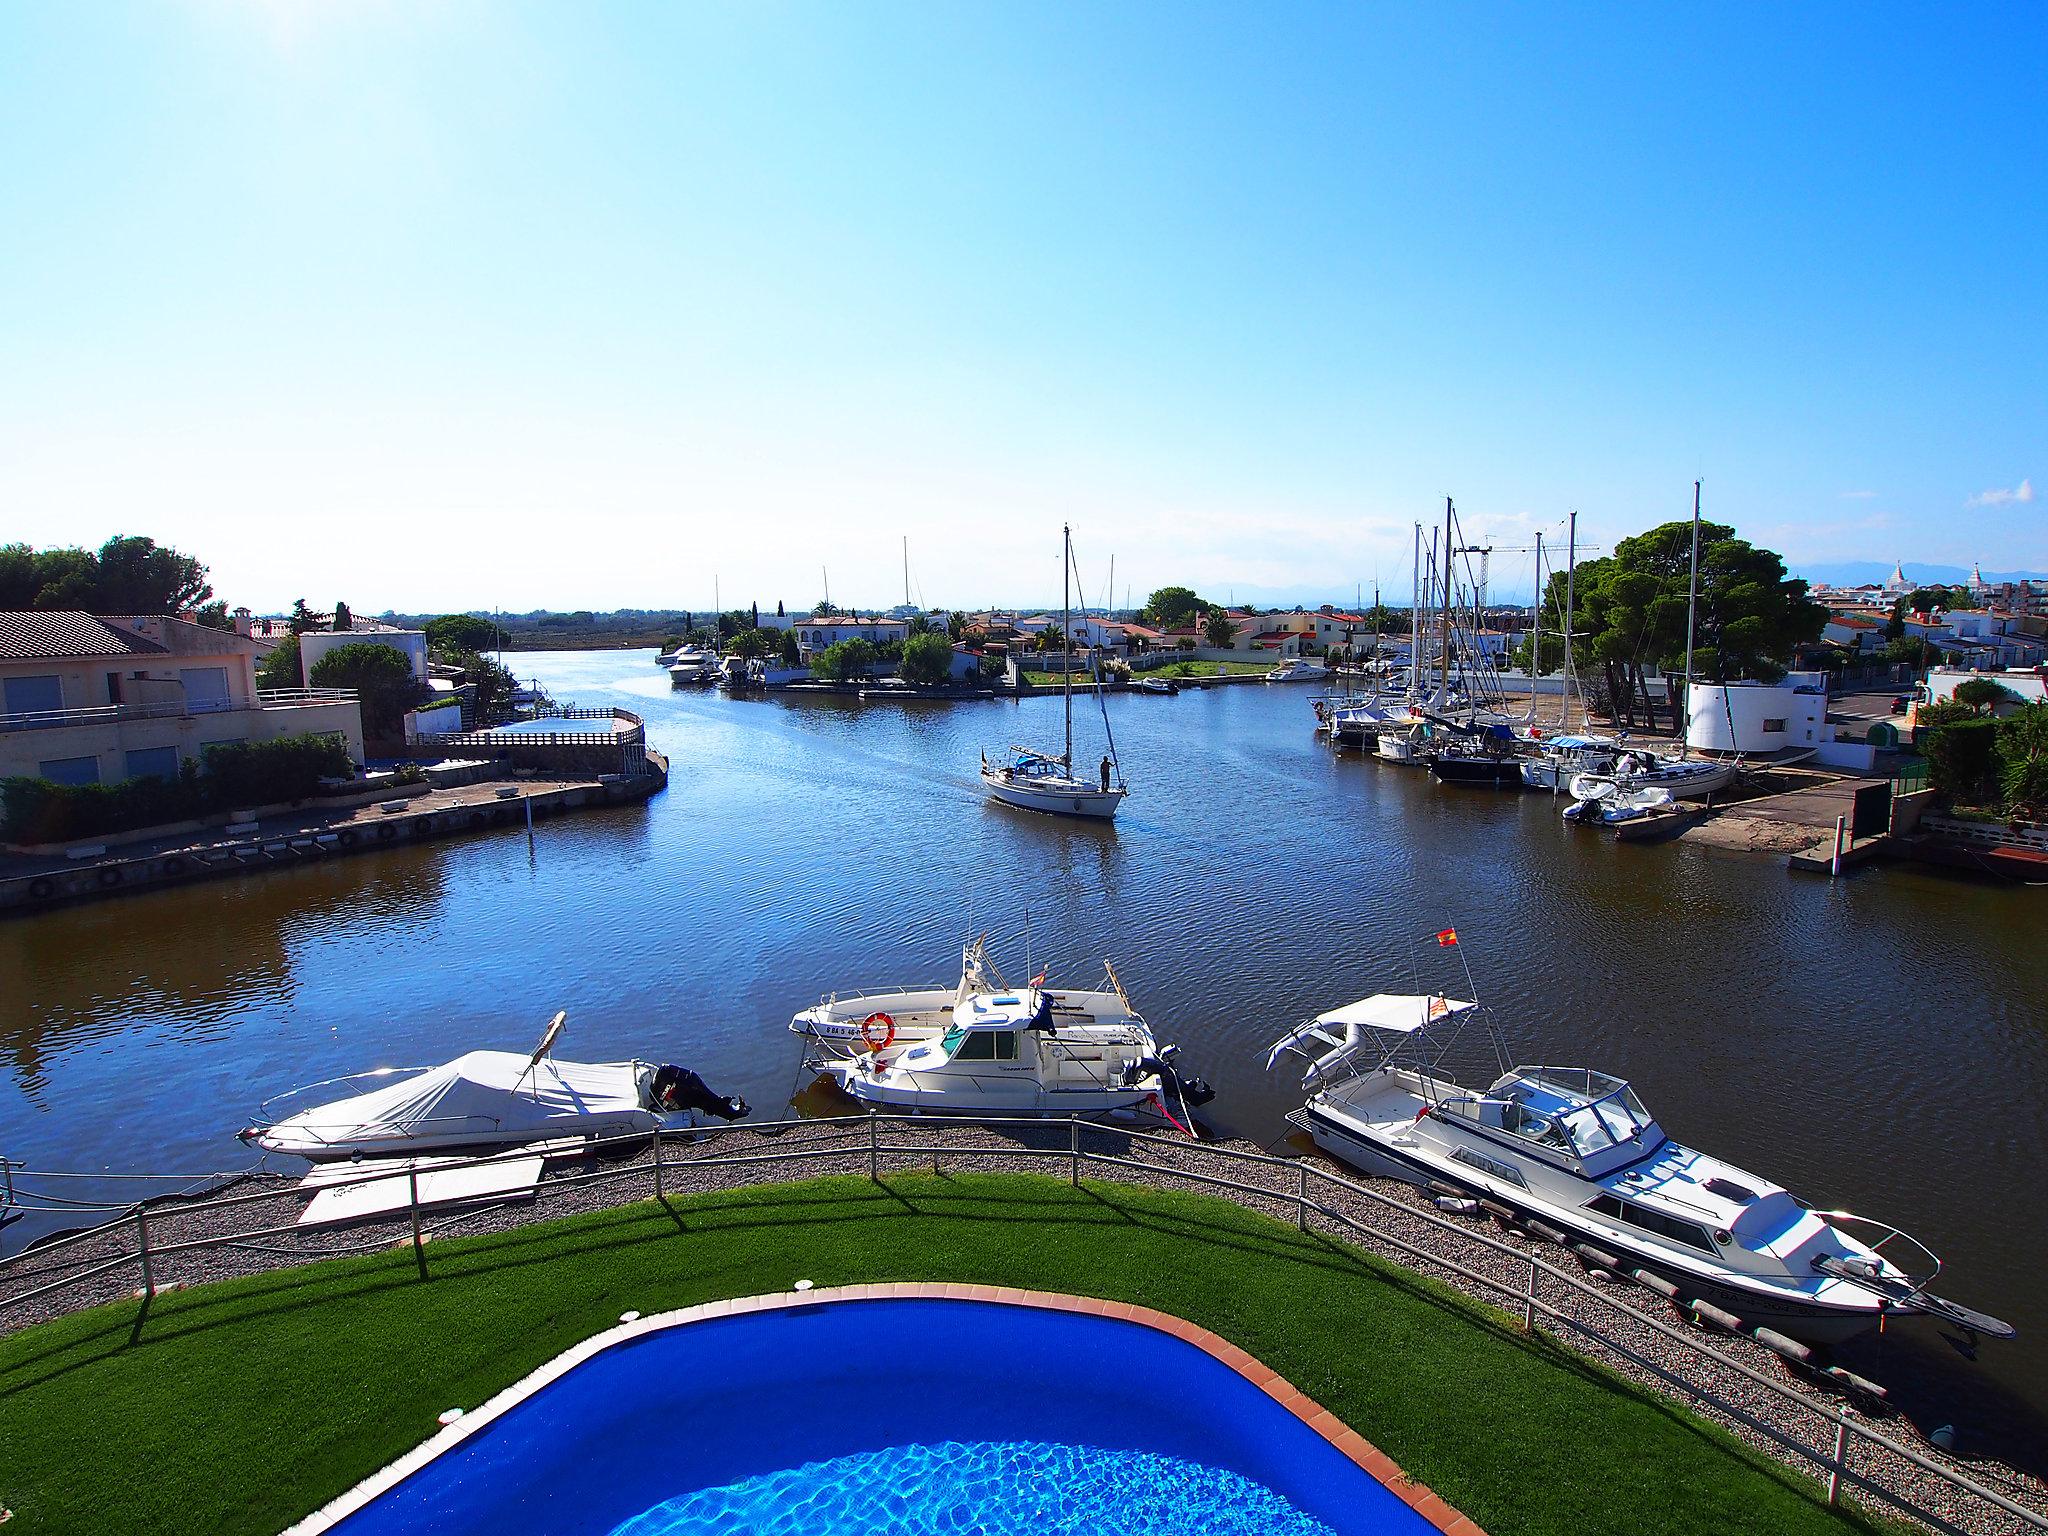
(1219, 629)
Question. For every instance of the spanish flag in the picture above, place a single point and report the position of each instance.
(1448, 939)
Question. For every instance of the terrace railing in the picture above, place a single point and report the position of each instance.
(1843, 1450)
(172, 709)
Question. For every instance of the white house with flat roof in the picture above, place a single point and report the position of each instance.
(94, 700)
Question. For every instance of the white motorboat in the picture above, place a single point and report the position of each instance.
(1042, 781)
(1011, 1053)
(1299, 670)
(1576, 1149)
(484, 1100)
(668, 658)
(1620, 804)
(694, 664)
(1160, 685)
(848, 1023)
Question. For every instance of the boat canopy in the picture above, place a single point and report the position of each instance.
(494, 1094)
(1396, 1012)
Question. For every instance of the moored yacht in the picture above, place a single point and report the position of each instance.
(1575, 1148)
(1011, 1053)
(1299, 670)
(1558, 758)
(1685, 778)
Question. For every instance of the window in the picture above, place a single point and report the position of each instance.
(1774, 725)
(70, 770)
(26, 695)
(153, 763)
(1492, 1165)
(1690, 1233)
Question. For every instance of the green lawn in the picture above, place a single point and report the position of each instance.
(240, 1407)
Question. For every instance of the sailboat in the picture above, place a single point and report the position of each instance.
(1038, 781)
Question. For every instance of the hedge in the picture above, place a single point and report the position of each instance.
(237, 774)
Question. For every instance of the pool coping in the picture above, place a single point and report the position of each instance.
(1347, 1441)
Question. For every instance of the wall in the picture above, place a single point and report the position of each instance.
(315, 643)
(1942, 683)
(23, 752)
(1801, 701)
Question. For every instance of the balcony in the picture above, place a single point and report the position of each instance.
(106, 714)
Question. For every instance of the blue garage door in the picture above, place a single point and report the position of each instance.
(26, 695)
(153, 762)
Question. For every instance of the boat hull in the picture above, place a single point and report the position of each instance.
(1064, 797)
(1486, 772)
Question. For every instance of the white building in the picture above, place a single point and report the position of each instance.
(815, 634)
(1760, 718)
(2027, 684)
(91, 700)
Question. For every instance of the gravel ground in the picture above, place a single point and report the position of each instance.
(1395, 1211)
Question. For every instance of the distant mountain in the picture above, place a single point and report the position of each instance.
(1856, 573)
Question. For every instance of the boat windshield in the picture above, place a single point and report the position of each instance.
(1592, 1110)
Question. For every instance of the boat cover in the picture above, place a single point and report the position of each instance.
(484, 1095)
(1396, 1012)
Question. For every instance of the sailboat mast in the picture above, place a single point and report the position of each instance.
(1692, 598)
(1443, 681)
(906, 571)
(1571, 575)
(1067, 635)
(1415, 621)
(1536, 628)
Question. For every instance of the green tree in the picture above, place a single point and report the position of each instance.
(491, 684)
(19, 583)
(1219, 629)
(280, 669)
(1983, 695)
(790, 652)
(956, 625)
(1926, 599)
(381, 677)
(214, 615)
(2020, 755)
(344, 621)
(927, 659)
(844, 660)
(1553, 654)
(821, 609)
(303, 619)
(137, 575)
(750, 643)
(1632, 609)
(1171, 607)
(463, 632)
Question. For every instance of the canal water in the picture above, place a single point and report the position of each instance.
(1879, 1043)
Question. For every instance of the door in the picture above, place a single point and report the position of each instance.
(206, 689)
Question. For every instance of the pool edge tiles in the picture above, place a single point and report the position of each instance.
(1311, 1415)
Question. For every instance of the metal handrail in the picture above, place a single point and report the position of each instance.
(1527, 1297)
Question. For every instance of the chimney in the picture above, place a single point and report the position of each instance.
(245, 623)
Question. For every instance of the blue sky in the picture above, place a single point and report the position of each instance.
(463, 304)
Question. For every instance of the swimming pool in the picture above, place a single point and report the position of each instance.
(907, 1415)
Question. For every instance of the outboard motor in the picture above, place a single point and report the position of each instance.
(677, 1088)
(1192, 1092)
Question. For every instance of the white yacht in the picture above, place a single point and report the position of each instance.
(1576, 1149)
(848, 1023)
(485, 1100)
(694, 664)
(1012, 1053)
(1299, 670)
(1558, 758)
(1686, 778)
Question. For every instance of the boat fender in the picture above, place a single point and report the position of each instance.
(42, 888)
(386, 832)
(887, 1032)
(174, 865)
(347, 839)
(111, 875)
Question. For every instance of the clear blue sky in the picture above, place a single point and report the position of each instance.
(577, 305)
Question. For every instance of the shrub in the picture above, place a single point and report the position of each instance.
(1959, 762)
(844, 659)
(263, 772)
(381, 677)
(2020, 756)
(280, 669)
(237, 775)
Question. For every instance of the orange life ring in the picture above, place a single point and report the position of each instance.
(867, 1031)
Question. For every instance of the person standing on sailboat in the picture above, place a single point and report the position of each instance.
(1105, 775)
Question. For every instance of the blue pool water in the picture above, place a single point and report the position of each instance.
(994, 1488)
(902, 1415)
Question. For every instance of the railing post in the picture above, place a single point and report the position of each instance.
(1074, 1150)
(142, 1251)
(874, 1147)
(1841, 1457)
(419, 1243)
(658, 1194)
(1301, 1199)
(1529, 1301)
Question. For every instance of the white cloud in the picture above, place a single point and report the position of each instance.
(1859, 495)
(1996, 497)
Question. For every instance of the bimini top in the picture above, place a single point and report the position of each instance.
(1396, 1012)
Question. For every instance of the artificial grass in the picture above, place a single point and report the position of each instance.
(242, 1406)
